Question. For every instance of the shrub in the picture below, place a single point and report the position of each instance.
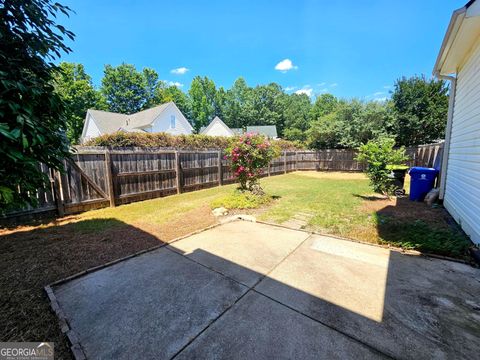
(194, 141)
(380, 156)
(242, 200)
(249, 154)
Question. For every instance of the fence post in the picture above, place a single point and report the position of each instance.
(220, 168)
(109, 178)
(178, 170)
(285, 162)
(57, 191)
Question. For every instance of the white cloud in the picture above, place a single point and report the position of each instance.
(290, 88)
(321, 84)
(334, 85)
(173, 83)
(387, 87)
(376, 94)
(285, 65)
(324, 90)
(179, 71)
(307, 90)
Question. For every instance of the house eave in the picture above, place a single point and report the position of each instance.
(462, 33)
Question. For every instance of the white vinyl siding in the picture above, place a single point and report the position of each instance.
(462, 192)
(91, 130)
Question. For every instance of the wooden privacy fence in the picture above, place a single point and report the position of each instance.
(96, 178)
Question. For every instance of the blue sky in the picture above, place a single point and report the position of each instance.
(348, 48)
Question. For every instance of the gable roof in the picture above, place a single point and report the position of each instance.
(146, 117)
(108, 122)
(462, 34)
(267, 130)
(216, 120)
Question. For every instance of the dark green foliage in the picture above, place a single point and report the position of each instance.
(349, 124)
(126, 90)
(32, 118)
(421, 108)
(202, 97)
(166, 94)
(380, 155)
(76, 90)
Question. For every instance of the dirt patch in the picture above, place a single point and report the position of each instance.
(404, 210)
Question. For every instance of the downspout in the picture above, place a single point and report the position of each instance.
(448, 132)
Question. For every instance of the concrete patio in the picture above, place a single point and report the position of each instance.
(250, 291)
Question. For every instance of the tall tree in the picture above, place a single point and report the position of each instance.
(202, 96)
(124, 88)
(32, 119)
(238, 107)
(268, 106)
(173, 93)
(76, 90)
(151, 83)
(421, 108)
(297, 113)
(324, 105)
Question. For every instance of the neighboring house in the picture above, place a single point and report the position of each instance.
(218, 128)
(459, 62)
(163, 118)
(269, 131)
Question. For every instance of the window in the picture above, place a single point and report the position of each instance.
(172, 122)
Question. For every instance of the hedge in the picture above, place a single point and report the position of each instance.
(194, 141)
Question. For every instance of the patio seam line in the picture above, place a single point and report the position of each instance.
(326, 325)
(239, 298)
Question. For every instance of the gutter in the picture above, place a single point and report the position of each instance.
(448, 131)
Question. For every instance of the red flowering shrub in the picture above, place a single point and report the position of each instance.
(250, 153)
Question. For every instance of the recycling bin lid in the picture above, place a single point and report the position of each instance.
(423, 170)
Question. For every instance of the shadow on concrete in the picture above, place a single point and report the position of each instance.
(328, 298)
(33, 258)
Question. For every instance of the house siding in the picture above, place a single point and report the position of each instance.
(162, 123)
(462, 191)
(92, 130)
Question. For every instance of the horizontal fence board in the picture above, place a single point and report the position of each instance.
(138, 174)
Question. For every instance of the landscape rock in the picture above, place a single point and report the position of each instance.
(221, 211)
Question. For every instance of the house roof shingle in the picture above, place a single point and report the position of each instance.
(108, 122)
(267, 130)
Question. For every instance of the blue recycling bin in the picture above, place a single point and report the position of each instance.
(422, 180)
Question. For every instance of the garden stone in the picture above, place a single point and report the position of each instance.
(221, 211)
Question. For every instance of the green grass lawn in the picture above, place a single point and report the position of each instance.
(333, 203)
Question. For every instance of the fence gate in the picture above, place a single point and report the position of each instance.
(85, 183)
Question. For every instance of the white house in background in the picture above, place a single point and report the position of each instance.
(217, 128)
(459, 62)
(163, 118)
